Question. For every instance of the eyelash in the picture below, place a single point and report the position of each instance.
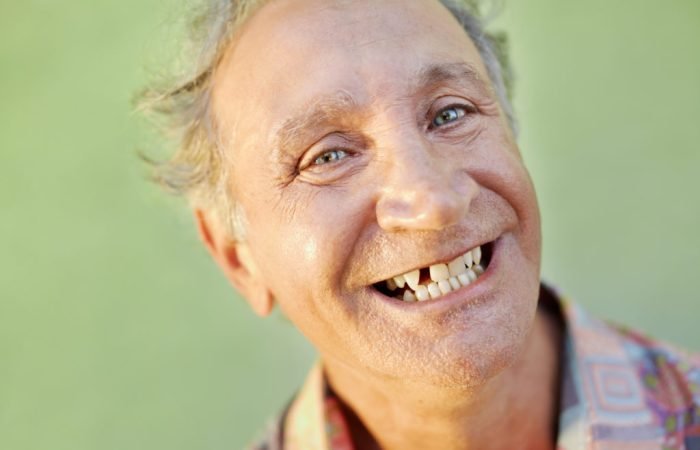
(462, 111)
(337, 151)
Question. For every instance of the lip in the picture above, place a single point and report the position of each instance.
(464, 295)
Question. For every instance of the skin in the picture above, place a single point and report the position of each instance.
(329, 111)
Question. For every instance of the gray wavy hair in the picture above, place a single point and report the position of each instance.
(198, 168)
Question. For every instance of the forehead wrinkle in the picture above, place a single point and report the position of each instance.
(440, 73)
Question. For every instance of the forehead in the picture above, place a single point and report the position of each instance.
(293, 53)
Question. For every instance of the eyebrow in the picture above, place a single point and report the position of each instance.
(450, 72)
(330, 109)
(312, 116)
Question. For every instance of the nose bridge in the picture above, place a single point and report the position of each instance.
(423, 188)
(415, 168)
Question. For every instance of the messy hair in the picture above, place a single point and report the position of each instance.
(198, 169)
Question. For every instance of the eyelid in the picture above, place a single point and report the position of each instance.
(347, 141)
(326, 152)
(332, 172)
(308, 162)
(468, 107)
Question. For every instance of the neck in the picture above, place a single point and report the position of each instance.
(515, 409)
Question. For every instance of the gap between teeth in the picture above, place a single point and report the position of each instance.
(445, 278)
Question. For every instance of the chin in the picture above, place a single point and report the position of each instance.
(495, 337)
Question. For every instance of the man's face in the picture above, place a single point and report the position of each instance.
(366, 142)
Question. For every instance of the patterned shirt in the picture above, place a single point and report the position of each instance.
(620, 390)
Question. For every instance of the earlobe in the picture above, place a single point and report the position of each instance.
(255, 291)
(237, 263)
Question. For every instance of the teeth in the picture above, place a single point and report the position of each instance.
(412, 279)
(468, 259)
(457, 266)
(439, 272)
(434, 290)
(445, 287)
(408, 296)
(462, 271)
(422, 293)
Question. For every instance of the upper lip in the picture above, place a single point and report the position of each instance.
(442, 258)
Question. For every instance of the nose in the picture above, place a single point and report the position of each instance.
(423, 189)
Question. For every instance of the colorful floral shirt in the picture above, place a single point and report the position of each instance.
(620, 390)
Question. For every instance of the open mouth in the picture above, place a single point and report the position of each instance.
(430, 283)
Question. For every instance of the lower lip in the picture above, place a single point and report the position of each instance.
(465, 294)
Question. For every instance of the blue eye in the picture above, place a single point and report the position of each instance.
(447, 115)
(330, 156)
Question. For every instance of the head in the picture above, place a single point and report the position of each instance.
(356, 141)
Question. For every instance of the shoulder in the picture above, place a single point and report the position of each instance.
(632, 388)
(302, 423)
(670, 374)
(272, 437)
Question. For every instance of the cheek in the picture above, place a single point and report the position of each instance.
(307, 234)
(501, 170)
(303, 252)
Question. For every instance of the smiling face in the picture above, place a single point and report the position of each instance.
(366, 143)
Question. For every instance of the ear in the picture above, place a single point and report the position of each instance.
(236, 261)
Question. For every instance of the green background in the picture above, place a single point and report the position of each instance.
(117, 332)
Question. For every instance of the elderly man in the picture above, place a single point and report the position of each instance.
(355, 163)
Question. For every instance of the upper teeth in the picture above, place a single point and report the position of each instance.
(439, 272)
(411, 278)
(476, 253)
(445, 277)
